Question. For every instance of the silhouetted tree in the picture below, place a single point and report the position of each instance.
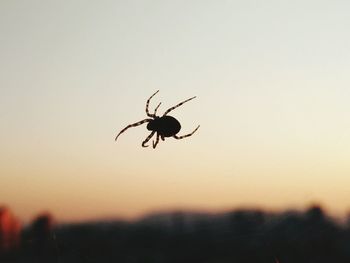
(240, 236)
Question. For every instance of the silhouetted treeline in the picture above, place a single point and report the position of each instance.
(240, 236)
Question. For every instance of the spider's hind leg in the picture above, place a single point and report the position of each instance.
(156, 142)
(147, 139)
(187, 135)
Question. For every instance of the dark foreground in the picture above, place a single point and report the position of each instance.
(245, 236)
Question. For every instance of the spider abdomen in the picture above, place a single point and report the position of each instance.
(166, 126)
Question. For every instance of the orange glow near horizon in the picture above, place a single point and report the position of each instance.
(272, 85)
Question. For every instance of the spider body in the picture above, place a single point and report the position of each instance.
(164, 126)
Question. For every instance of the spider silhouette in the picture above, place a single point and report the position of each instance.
(164, 126)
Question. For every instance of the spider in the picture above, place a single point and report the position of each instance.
(164, 126)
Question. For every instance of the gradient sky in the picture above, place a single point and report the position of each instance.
(272, 84)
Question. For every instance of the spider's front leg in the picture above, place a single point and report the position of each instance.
(155, 111)
(132, 125)
(178, 105)
(147, 139)
(147, 104)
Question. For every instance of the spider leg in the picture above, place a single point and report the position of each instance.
(132, 125)
(162, 137)
(156, 142)
(147, 139)
(187, 135)
(178, 105)
(155, 111)
(147, 104)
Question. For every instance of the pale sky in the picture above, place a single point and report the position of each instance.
(272, 84)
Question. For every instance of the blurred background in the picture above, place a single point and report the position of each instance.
(272, 86)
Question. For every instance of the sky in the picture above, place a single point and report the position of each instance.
(272, 85)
